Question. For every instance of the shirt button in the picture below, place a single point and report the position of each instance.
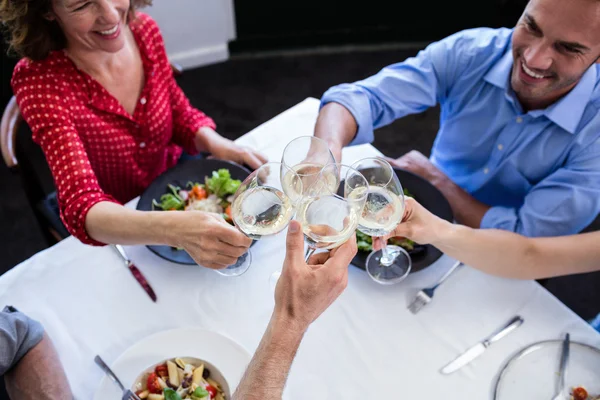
(519, 120)
(500, 147)
(142, 144)
(143, 100)
(486, 170)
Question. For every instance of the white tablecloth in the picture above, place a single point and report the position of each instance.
(366, 346)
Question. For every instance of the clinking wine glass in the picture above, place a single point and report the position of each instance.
(307, 155)
(263, 207)
(330, 217)
(383, 211)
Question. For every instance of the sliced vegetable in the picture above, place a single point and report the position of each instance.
(170, 394)
(221, 183)
(199, 192)
(152, 384)
(200, 393)
(211, 390)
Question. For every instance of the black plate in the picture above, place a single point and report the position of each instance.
(430, 198)
(192, 170)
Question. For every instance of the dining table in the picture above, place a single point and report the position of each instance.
(366, 345)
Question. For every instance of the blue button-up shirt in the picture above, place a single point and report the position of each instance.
(539, 170)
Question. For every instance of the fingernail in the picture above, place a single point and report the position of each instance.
(293, 227)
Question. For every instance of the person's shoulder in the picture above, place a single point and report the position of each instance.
(49, 70)
(144, 24)
(480, 40)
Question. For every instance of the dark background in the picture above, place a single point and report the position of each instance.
(283, 54)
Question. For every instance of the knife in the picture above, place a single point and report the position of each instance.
(137, 274)
(479, 348)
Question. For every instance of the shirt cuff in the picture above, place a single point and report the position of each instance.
(74, 216)
(500, 218)
(357, 102)
(18, 335)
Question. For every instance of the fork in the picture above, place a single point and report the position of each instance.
(127, 394)
(425, 295)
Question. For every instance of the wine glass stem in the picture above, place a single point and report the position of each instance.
(309, 252)
(386, 259)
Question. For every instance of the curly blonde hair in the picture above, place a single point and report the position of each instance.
(31, 34)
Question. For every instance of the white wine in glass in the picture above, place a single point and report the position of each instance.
(306, 156)
(261, 207)
(330, 218)
(383, 211)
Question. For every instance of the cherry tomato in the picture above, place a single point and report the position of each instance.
(211, 390)
(580, 393)
(162, 370)
(228, 212)
(153, 385)
(199, 192)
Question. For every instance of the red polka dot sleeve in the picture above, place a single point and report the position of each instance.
(44, 108)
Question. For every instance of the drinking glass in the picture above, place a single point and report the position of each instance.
(383, 210)
(262, 206)
(307, 155)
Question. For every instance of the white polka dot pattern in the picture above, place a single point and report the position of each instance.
(96, 150)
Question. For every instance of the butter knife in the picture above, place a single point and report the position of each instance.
(479, 348)
(137, 274)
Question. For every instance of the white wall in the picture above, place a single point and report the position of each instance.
(196, 32)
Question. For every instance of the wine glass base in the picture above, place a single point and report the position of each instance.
(239, 268)
(389, 274)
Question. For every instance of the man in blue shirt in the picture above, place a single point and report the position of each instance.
(519, 141)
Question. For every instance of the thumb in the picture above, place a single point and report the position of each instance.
(295, 242)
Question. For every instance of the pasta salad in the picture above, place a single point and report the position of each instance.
(179, 379)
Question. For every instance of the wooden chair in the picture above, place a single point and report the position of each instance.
(41, 198)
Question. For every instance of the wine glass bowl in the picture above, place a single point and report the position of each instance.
(383, 211)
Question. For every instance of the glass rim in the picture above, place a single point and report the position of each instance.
(303, 137)
(364, 195)
(382, 160)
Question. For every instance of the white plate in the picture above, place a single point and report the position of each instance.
(532, 373)
(228, 356)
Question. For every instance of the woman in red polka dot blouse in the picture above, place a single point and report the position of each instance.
(97, 90)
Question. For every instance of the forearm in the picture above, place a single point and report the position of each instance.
(38, 376)
(267, 373)
(336, 125)
(113, 223)
(204, 137)
(467, 210)
(510, 255)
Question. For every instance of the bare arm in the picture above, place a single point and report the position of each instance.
(336, 125)
(210, 240)
(38, 376)
(303, 292)
(511, 255)
(467, 210)
(502, 253)
(268, 371)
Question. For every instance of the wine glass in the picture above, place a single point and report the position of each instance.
(307, 155)
(329, 218)
(383, 210)
(262, 207)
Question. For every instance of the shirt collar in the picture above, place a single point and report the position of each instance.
(567, 111)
